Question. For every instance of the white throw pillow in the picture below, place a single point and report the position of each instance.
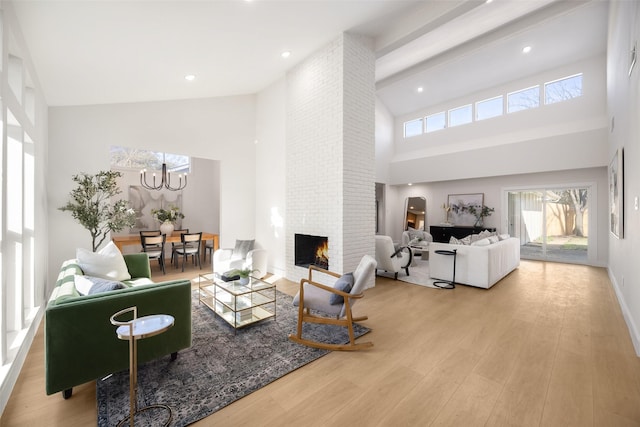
(481, 242)
(107, 263)
(83, 285)
(503, 236)
(454, 241)
(493, 239)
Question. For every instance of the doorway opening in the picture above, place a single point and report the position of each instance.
(551, 223)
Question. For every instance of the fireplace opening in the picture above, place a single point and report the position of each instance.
(311, 250)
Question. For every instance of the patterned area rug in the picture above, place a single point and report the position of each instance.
(219, 368)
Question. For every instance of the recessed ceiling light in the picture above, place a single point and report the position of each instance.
(526, 49)
(488, 1)
(286, 54)
(409, 184)
(420, 89)
(190, 77)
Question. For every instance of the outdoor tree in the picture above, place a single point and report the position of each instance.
(91, 205)
(577, 198)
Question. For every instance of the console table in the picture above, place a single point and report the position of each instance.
(442, 233)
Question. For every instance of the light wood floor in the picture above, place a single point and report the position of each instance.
(547, 346)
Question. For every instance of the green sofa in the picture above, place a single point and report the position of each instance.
(80, 342)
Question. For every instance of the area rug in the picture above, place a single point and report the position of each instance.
(418, 275)
(219, 368)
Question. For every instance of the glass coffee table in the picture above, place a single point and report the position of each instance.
(237, 303)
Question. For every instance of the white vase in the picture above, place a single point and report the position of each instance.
(166, 228)
(244, 280)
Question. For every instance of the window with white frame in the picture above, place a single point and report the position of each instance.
(460, 116)
(524, 99)
(559, 90)
(135, 158)
(436, 122)
(492, 107)
(563, 89)
(413, 128)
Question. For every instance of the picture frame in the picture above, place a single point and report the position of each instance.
(459, 204)
(616, 194)
(143, 201)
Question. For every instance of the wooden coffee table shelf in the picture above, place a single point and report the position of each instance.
(238, 304)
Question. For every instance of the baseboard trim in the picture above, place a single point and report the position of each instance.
(13, 372)
(633, 331)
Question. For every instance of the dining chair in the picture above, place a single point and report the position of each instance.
(154, 247)
(149, 233)
(175, 244)
(189, 245)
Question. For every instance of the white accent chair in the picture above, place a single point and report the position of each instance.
(389, 258)
(242, 256)
(418, 237)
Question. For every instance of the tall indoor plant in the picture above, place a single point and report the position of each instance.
(92, 207)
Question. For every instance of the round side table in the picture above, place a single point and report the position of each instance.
(448, 284)
(133, 330)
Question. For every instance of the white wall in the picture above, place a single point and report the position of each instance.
(24, 254)
(200, 198)
(563, 136)
(624, 109)
(493, 189)
(212, 128)
(384, 141)
(271, 174)
(331, 152)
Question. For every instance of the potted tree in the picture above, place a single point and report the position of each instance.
(92, 207)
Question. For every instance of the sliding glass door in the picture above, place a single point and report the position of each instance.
(551, 223)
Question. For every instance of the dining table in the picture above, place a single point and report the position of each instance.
(134, 239)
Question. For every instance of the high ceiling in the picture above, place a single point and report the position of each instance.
(95, 52)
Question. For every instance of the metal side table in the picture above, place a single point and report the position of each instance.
(132, 331)
(448, 284)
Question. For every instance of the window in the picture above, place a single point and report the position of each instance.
(413, 128)
(524, 99)
(489, 108)
(436, 122)
(460, 116)
(134, 158)
(563, 89)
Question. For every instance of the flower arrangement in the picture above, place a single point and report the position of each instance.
(480, 214)
(91, 205)
(172, 214)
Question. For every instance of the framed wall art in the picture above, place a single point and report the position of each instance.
(459, 204)
(144, 201)
(616, 194)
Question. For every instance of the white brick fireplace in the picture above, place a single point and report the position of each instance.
(331, 152)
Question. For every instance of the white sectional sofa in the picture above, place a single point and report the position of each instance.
(480, 266)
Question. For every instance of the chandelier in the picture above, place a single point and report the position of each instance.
(165, 181)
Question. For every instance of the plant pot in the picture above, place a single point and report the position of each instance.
(166, 228)
(244, 280)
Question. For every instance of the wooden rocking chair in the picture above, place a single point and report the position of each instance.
(316, 296)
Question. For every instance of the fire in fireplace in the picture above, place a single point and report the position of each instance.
(311, 250)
